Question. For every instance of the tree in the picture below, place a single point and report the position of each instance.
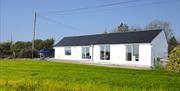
(24, 49)
(174, 57)
(105, 32)
(172, 44)
(121, 28)
(20, 46)
(136, 28)
(5, 49)
(179, 40)
(157, 24)
(49, 43)
(39, 44)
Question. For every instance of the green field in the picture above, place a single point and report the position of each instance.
(28, 75)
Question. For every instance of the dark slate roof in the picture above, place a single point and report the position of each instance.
(110, 38)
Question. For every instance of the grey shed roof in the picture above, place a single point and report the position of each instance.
(110, 38)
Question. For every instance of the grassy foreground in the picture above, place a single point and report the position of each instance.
(27, 75)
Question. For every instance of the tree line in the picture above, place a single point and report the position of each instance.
(21, 49)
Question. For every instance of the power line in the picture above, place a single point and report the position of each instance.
(139, 5)
(106, 5)
(71, 11)
(60, 23)
(91, 7)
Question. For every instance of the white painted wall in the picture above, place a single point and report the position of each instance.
(76, 53)
(159, 47)
(117, 54)
(145, 55)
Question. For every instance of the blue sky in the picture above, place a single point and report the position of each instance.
(17, 17)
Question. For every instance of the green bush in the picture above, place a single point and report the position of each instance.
(174, 57)
(28, 53)
(5, 49)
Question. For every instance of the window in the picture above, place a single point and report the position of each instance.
(67, 50)
(136, 52)
(128, 53)
(132, 52)
(85, 53)
(105, 52)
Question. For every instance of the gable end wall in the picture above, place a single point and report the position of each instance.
(159, 47)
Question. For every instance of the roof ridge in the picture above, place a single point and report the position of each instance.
(146, 30)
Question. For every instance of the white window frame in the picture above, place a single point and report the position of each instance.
(105, 50)
(132, 52)
(86, 57)
(67, 49)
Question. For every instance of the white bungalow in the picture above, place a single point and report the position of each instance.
(139, 48)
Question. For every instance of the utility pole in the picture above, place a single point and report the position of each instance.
(0, 32)
(11, 37)
(34, 32)
(0, 21)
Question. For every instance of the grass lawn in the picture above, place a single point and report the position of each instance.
(27, 75)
